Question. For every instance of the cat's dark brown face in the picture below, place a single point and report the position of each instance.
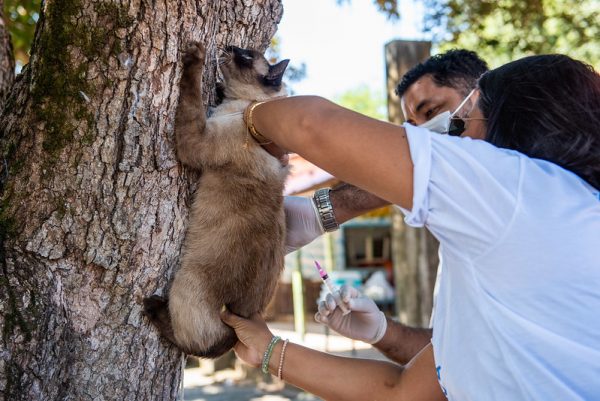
(247, 73)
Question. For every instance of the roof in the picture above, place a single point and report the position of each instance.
(305, 177)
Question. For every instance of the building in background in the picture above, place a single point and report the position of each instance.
(360, 250)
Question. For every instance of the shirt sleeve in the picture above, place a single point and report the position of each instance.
(465, 191)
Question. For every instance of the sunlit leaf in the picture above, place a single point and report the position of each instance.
(21, 17)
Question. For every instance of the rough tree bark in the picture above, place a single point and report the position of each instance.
(7, 60)
(94, 203)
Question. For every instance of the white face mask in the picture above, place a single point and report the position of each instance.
(439, 123)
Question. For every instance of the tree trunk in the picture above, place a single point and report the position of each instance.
(94, 203)
(7, 60)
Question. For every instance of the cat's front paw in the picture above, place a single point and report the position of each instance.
(194, 54)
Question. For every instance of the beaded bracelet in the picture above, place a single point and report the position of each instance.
(280, 369)
(268, 352)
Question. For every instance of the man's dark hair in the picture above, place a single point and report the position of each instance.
(457, 68)
(547, 107)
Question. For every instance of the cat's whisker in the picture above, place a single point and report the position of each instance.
(224, 51)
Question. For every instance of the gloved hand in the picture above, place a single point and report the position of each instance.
(302, 222)
(365, 323)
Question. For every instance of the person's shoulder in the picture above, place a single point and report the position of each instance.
(463, 153)
(419, 134)
(557, 181)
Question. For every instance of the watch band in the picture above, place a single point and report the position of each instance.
(325, 209)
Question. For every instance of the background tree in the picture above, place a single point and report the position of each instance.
(93, 203)
(507, 30)
(7, 61)
(501, 31)
(388, 7)
(22, 16)
(293, 73)
(365, 100)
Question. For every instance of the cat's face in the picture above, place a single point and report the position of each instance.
(248, 75)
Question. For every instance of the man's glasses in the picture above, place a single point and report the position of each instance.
(456, 127)
(457, 124)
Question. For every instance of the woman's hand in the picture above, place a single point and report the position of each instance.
(253, 335)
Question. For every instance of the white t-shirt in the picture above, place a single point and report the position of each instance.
(518, 310)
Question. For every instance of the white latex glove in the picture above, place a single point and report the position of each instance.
(302, 222)
(365, 322)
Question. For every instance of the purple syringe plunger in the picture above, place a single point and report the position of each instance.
(322, 271)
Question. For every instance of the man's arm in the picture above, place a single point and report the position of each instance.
(402, 343)
(305, 223)
(367, 323)
(349, 202)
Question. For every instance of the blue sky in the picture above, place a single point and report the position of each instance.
(342, 45)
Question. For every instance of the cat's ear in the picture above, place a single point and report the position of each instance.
(275, 75)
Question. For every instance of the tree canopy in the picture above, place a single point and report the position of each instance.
(505, 30)
(22, 16)
(364, 100)
(499, 31)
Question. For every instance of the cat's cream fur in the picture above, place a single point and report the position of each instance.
(234, 247)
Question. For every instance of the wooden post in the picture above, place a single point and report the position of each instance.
(414, 250)
(328, 247)
(298, 296)
(401, 56)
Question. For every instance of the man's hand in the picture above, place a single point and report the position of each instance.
(303, 224)
(365, 323)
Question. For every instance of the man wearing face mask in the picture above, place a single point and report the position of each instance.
(430, 93)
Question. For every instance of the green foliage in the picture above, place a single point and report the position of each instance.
(57, 91)
(504, 30)
(364, 100)
(21, 18)
(501, 31)
(61, 91)
(293, 73)
(388, 7)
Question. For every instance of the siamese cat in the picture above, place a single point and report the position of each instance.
(234, 247)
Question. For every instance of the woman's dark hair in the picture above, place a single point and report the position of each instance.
(547, 107)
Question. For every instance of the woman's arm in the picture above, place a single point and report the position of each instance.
(371, 154)
(348, 379)
(337, 378)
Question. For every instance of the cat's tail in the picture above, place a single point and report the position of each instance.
(156, 308)
(211, 340)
